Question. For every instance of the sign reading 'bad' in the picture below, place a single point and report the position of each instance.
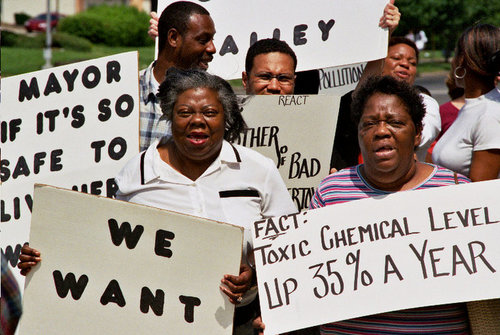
(278, 128)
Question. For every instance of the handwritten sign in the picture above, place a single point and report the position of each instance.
(112, 267)
(340, 80)
(279, 128)
(330, 33)
(404, 250)
(72, 126)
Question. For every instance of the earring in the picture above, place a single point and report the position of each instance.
(460, 76)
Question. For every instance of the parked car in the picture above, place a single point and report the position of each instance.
(39, 22)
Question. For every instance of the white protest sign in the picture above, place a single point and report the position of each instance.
(279, 127)
(404, 250)
(328, 33)
(73, 126)
(340, 79)
(112, 267)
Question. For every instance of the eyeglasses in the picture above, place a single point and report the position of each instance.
(283, 79)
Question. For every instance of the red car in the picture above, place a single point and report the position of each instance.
(39, 22)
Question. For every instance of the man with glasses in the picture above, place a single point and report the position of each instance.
(269, 68)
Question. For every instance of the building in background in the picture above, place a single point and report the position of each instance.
(66, 7)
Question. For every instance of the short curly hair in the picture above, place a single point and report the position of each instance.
(178, 81)
(408, 95)
(265, 46)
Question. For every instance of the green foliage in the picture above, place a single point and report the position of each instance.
(71, 42)
(20, 18)
(110, 25)
(59, 40)
(444, 20)
(8, 38)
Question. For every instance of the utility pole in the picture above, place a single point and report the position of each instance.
(47, 52)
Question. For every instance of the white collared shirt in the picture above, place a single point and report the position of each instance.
(241, 186)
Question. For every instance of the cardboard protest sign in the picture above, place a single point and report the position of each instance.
(340, 79)
(72, 126)
(330, 33)
(279, 128)
(404, 250)
(112, 267)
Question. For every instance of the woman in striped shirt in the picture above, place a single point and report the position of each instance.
(389, 116)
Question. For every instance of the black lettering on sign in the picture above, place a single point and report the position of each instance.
(11, 254)
(27, 92)
(287, 291)
(70, 78)
(95, 187)
(4, 170)
(69, 283)
(289, 100)
(116, 150)
(91, 76)
(52, 85)
(97, 146)
(8, 130)
(434, 255)
(301, 196)
(122, 148)
(299, 33)
(113, 71)
(78, 117)
(335, 286)
(391, 268)
(325, 28)
(229, 45)
(113, 293)
(16, 208)
(189, 304)
(162, 243)
(104, 110)
(124, 231)
(153, 301)
(129, 105)
(299, 169)
(340, 76)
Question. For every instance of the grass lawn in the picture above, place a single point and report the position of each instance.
(22, 60)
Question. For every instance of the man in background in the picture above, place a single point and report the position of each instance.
(185, 41)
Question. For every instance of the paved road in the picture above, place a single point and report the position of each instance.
(434, 82)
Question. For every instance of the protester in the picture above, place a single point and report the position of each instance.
(471, 145)
(185, 40)
(400, 63)
(449, 110)
(269, 68)
(389, 114)
(198, 171)
(10, 301)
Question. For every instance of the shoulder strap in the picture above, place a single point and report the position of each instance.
(142, 167)
(455, 177)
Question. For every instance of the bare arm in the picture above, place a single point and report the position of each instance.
(485, 165)
(390, 19)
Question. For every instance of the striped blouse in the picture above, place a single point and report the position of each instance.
(347, 185)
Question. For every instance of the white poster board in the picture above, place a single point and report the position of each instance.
(279, 128)
(328, 33)
(73, 126)
(340, 80)
(404, 250)
(112, 267)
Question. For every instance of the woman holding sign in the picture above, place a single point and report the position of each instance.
(198, 171)
(389, 114)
